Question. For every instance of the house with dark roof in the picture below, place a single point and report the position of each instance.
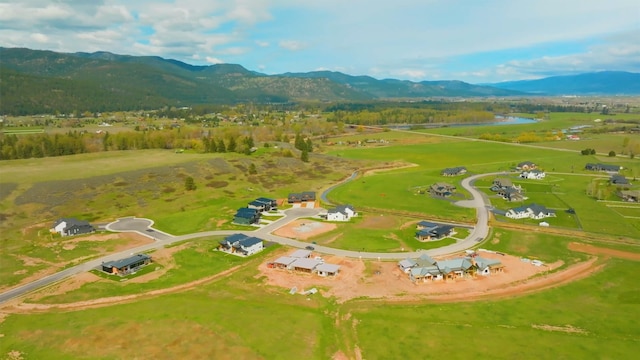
(260, 206)
(427, 231)
(341, 213)
(602, 167)
(72, 226)
(126, 266)
(619, 180)
(442, 189)
(454, 171)
(301, 197)
(270, 204)
(240, 244)
(507, 190)
(533, 211)
(246, 216)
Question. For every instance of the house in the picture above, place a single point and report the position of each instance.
(434, 233)
(270, 204)
(533, 211)
(486, 267)
(306, 265)
(533, 174)
(72, 226)
(511, 194)
(454, 171)
(602, 167)
(301, 254)
(241, 244)
(423, 261)
(301, 197)
(630, 195)
(619, 180)
(442, 189)
(327, 269)
(260, 206)
(246, 216)
(341, 213)
(501, 183)
(455, 268)
(283, 262)
(126, 266)
(526, 165)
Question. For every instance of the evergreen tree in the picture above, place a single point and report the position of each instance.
(221, 146)
(189, 184)
(309, 145)
(232, 144)
(304, 156)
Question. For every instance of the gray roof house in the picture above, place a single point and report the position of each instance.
(72, 226)
(454, 171)
(126, 266)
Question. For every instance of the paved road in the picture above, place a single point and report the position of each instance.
(145, 227)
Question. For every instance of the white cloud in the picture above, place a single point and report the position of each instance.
(262, 43)
(292, 45)
(41, 38)
(212, 60)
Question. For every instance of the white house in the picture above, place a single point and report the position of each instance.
(533, 211)
(533, 174)
(71, 226)
(341, 213)
(240, 244)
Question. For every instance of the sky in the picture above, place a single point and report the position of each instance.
(476, 41)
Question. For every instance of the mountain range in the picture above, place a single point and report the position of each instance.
(36, 81)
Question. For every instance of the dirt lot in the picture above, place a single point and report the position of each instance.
(304, 229)
(374, 280)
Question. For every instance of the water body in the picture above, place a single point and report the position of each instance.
(499, 120)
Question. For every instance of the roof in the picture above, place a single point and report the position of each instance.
(526, 163)
(234, 238)
(265, 200)
(454, 170)
(71, 222)
(341, 209)
(406, 263)
(257, 203)
(126, 261)
(300, 254)
(309, 264)
(455, 264)
(330, 268)
(483, 262)
(427, 224)
(285, 260)
(250, 241)
(424, 260)
(246, 210)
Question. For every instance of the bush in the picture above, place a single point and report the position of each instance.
(612, 153)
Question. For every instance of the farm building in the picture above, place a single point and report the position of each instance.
(72, 226)
(126, 266)
(454, 171)
(240, 244)
(619, 180)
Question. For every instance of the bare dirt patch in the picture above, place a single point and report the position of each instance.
(594, 250)
(304, 229)
(566, 328)
(381, 279)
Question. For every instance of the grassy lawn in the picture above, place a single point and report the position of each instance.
(197, 261)
(546, 325)
(384, 233)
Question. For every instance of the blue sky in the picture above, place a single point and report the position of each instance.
(477, 41)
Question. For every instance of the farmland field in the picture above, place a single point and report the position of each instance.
(230, 311)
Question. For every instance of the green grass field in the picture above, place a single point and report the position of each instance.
(240, 316)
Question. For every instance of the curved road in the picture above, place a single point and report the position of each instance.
(145, 228)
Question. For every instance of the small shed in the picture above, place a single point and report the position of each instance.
(327, 269)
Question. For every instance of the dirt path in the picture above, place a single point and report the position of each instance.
(594, 250)
(96, 303)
